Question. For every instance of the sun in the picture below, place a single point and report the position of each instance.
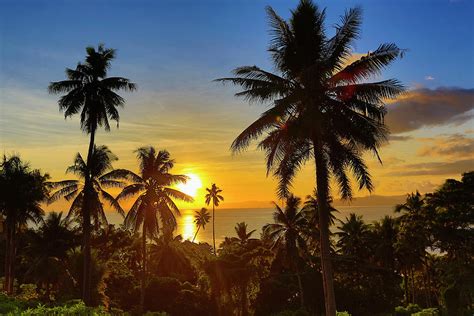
(191, 186)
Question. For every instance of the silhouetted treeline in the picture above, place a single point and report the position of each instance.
(423, 254)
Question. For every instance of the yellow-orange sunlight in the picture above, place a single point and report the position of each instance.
(191, 186)
(188, 227)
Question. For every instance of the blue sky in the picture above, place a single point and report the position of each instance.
(174, 49)
(205, 39)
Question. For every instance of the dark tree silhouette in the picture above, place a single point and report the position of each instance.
(287, 234)
(48, 248)
(155, 198)
(322, 108)
(88, 91)
(22, 190)
(100, 174)
(242, 234)
(214, 196)
(201, 218)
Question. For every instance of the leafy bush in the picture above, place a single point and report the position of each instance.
(8, 304)
(407, 311)
(427, 312)
(415, 310)
(342, 314)
(292, 313)
(76, 309)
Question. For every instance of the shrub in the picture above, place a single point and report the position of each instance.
(427, 312)
(76, 309)
(299, 312)
(8, 304)
(407, 311)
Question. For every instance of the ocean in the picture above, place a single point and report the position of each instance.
(255, 218)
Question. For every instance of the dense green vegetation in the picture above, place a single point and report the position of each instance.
(422, 257)
(308, 261)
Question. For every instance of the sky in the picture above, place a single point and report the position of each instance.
(173, 50)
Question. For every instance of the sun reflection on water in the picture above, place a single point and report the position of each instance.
(188, 228)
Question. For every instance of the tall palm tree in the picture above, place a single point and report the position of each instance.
(101, 176)
(287, 234)
(242, 233)
(201, 218)
(322, 108)
(154, 203)
(88, 91)
(214, 196)
(23, 189)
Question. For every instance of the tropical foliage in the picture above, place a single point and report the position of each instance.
(276, 274)
(322, 108)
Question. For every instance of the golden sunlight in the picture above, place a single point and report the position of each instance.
(188, 227)
(191, 186)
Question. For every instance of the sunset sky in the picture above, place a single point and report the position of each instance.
(174, 49)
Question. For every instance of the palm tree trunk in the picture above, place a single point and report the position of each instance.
(142, 293)
(7, 257)
(197, 231)
(243, 301)
(413, 285)
(322, 185)
(300, 286)
(8, 245)
(405, 283)
(214, 229)
(11, 260)
(86, 227)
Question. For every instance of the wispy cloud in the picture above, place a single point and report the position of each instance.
(455, 145)
(434, 168)
(429, 78)
(399, 138)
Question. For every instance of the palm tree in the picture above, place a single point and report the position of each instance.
(23, 189)
(213, 196)
(101, 176)
(242, 234)
(354, 237)
(310, 208)
(310, 205)
(413, 238)
(154, 203)
(48, 249)
(413, 205)
(89, 91)
(287, 234)
(321, 108)
(384, 237)
(201, 218)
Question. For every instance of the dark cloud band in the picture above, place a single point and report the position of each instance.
(427, 107)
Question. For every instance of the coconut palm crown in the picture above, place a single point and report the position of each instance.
(99, 171)
(322, 107)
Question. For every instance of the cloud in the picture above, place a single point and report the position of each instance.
(429, 78)
(455, 145)
(435, 168)
(427, 107)
(399, 138)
